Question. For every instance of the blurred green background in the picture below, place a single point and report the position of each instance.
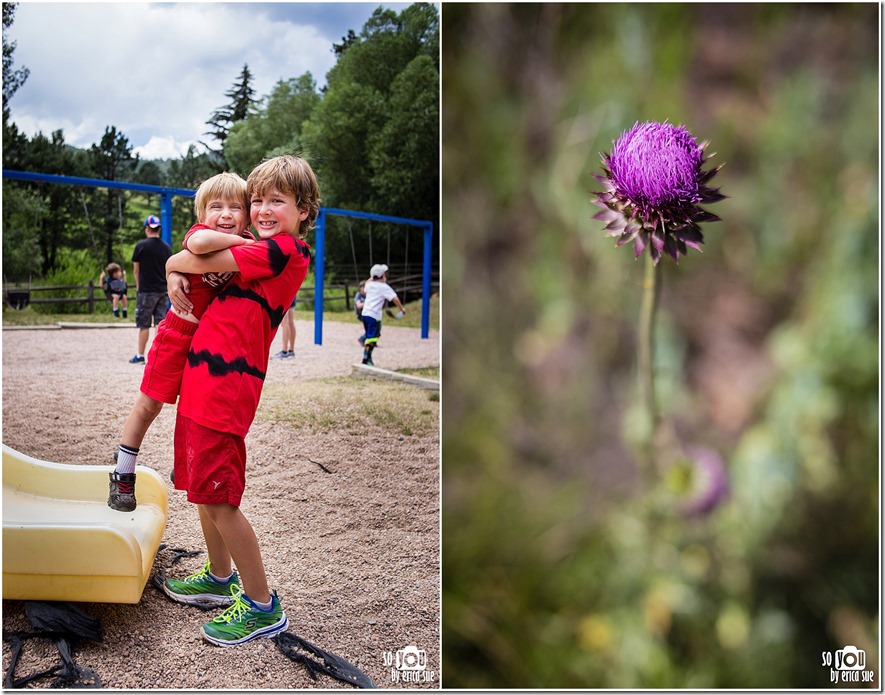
(561, 567)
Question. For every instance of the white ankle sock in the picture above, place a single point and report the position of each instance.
(264, 606)
(126, 456)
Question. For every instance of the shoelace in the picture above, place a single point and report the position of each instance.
(236, 610)
(200, 574)
(125, 488)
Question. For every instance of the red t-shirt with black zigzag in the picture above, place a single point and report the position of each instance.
(228, 358)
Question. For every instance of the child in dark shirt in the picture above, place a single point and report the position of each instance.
(113, 282)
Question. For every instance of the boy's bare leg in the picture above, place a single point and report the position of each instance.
(238, 536)
(219, 555)
(289, 331)
(121, 494)
(143, 335)
(144, 412)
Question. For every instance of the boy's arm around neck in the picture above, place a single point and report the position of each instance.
(216, 262)
(205, 240)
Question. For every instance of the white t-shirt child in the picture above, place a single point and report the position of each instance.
(377, 292)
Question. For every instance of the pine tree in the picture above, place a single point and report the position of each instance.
(12, 79)
(241, 96)
(112, 160)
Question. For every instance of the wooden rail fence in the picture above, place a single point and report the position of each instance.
(18, 297)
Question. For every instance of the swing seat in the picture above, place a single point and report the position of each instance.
(18, 299)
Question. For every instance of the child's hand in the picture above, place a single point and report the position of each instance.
(177, 286)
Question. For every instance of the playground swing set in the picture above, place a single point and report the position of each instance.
(20, 298)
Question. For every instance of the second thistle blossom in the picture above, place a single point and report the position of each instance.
(653, 184)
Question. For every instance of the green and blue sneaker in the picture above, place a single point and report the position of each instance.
(245, 621)
(200, 589)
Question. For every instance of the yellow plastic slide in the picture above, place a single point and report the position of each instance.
(61, 542)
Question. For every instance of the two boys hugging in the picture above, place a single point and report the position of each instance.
(213, 355)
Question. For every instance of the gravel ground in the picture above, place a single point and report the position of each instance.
(353, 553)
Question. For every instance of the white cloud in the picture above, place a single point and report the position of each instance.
(161, 148)
(154, 71)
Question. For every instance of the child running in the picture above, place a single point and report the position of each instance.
(377, 292)
(220, 390)
(221, 207)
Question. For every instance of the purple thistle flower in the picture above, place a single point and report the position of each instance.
(653, 183)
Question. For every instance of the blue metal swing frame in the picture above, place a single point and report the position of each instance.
(166, 193)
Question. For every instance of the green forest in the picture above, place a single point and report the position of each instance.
(371, 134)
(563, 565)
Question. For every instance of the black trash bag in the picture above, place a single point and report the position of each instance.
(62, 623)
(63, 619)
(292, 646)
(72, 675)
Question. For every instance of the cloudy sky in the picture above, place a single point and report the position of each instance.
(157, 71)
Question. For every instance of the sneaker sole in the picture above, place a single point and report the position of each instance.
(267, 631)
(198, 599)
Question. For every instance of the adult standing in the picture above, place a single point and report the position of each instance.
(149, 267)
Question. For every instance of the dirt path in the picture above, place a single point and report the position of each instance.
(353, 554)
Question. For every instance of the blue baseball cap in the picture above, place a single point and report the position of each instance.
(152, 221)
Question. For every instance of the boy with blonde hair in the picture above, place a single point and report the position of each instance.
(220, 390)
(221, 206)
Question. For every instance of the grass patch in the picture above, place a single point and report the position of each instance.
(424, 372)
(351, 405)
(29, 317)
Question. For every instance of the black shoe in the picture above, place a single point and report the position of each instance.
(172, 475)
(121, 495)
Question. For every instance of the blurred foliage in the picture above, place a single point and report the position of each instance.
(560, 568)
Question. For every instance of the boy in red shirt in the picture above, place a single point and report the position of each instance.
(221, 205)
(220, 390)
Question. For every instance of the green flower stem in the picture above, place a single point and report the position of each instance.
(650, 294)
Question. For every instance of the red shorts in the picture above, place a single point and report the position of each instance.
(167, 357)
(210, 465)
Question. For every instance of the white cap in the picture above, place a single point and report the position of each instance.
(378, 270)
